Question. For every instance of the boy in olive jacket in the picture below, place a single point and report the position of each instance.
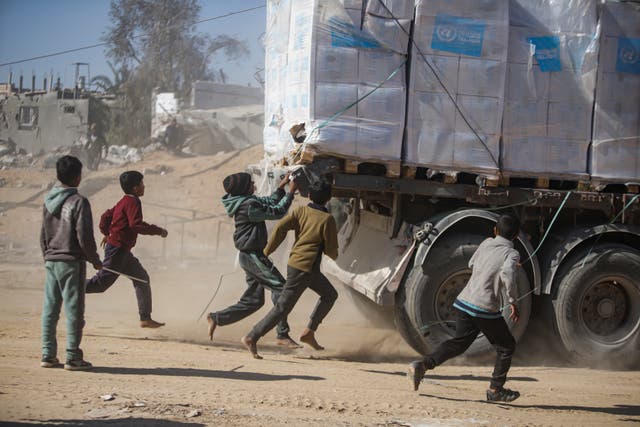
(315, 234)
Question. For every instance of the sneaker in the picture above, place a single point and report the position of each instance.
(77, 365)
(49, 362)
(415, 373)
(150, 324)
(502, 395)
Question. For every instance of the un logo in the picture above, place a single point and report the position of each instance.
(446, 33)
(628, 55)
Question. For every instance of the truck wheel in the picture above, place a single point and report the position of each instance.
(431, 290)
(597, 306)
(405, 326)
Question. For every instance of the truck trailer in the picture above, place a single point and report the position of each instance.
(433, 117)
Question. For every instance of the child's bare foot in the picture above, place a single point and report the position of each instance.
(308, 337)
(212, 326)
(150, 324)
(251, 346)
(288, 343)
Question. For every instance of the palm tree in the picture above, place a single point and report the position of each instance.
(114, 86)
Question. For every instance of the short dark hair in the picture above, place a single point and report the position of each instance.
(508, 227)
(68, 168)
(321, 193)
(130, 179)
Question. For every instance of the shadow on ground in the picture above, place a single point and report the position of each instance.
(626, 410)
(134, 422)
(204, 373)
(467, 377)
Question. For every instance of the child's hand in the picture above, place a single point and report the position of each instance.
(514, 315)
(164, 233)
(293, 187)
(284, 181)
(98, 266)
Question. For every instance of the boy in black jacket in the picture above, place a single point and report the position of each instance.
(66, 240)
(250, 237)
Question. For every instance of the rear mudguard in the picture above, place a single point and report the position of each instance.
(476, 219)
(556, 252)
(378, 274)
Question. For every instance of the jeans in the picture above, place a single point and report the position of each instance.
(123, 261)
(261, 274)
(467, 329)
(297, 282)
(64, 284)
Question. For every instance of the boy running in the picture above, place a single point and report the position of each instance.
(66, 240)
(478, 307)
(315, 234)
(121, 226)
(250, 238)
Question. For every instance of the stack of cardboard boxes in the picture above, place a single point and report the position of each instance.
(493, 85)
(616, 131)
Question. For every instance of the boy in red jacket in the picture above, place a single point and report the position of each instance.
(121, 226)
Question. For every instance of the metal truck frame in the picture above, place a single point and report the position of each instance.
(580, 253)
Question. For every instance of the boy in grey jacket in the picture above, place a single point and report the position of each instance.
(478, 307)
(66, 240)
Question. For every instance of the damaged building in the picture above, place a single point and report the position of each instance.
(41, 120)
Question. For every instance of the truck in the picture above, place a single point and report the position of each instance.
(410, 217)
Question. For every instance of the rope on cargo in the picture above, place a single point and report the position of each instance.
(345, 109)
(629, 203)
(424, 58)
(425, 328)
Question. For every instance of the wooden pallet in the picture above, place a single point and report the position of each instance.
(388, 168)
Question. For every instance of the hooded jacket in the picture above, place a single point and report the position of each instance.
(67, 227)
(250, 214)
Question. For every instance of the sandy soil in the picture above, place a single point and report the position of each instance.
(160, 377)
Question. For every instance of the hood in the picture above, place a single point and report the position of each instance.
(232, 203)
(54, 200)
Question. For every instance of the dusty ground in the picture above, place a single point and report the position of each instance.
(159, 377)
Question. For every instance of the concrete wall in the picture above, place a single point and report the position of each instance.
(59, 121)
(209, 95)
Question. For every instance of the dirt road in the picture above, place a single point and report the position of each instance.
(160, 377)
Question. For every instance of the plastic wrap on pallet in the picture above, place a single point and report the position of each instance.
(457, 88)
(340, 70)
(616, 129)
(551, 76)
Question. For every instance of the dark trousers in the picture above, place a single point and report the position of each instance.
(123, 261)
(261, 274)
(467, 329)
(297, 282)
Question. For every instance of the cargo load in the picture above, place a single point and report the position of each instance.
(457, 84)
(340, 70)
(551, 77)
(616, 128)
(518, 88)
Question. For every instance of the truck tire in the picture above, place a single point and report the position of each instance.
(597, 305)
(430, 291)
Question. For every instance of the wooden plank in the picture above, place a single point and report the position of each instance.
(542, 182)
(351, 166)
(394, 169)
(450, 178)
(409, 172)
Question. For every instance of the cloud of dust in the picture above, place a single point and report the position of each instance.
(354, 329)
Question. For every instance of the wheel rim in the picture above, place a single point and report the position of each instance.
(610, 309)
(446, 295)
